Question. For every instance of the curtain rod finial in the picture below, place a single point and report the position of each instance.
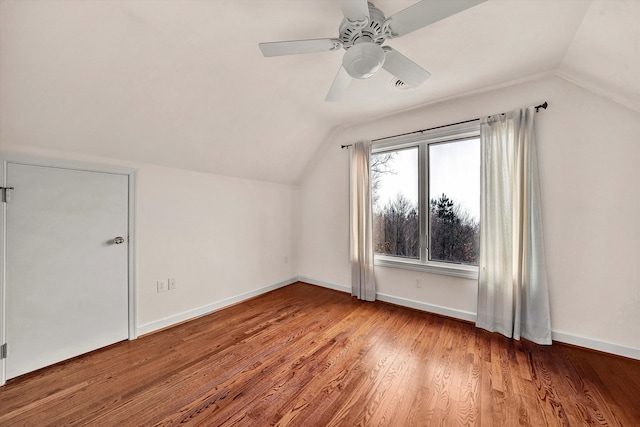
(544, 105)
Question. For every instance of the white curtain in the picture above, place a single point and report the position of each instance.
(362, 279)
(513, 297)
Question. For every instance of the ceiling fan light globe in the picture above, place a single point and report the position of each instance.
(363, 60)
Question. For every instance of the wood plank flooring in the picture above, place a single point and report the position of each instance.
(308, 356)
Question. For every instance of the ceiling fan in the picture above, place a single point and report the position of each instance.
(363, 31)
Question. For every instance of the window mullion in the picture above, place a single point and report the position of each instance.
(423, 198)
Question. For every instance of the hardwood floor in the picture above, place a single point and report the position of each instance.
(308, 356)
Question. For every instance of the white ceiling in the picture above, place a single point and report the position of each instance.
(183, 83)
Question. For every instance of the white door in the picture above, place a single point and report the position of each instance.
(66, 277)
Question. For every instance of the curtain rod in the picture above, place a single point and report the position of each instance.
(544, 106)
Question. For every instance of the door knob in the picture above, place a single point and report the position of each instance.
(118, 240)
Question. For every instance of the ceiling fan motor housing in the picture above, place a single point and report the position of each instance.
(362, 40)
(351, 32)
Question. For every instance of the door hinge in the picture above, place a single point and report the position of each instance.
(3, 351)
(6, 195)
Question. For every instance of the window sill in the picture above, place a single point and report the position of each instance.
(456, 270)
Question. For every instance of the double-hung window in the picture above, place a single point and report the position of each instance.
(426, 201)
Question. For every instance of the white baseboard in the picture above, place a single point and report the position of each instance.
(405, 302)
(333, 286)
(208, 308)
(430, 308)
(559, 336)
(590, 343)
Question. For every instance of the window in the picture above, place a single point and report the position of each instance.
(426, 201)
(395, 192)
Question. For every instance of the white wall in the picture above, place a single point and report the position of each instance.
(221, 238)
(589, 154)
(218, 236)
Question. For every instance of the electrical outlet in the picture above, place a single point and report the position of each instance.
(418, 283)
(286, 259)
(162, 285)
(171, 284)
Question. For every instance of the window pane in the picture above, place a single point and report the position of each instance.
(394, 183)
(454, 205)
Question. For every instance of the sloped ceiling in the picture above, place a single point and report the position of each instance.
(183, 83)
(605, 52)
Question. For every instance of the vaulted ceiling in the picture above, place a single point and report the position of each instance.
(183, 83)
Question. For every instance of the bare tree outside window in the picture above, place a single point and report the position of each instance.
(380, 165)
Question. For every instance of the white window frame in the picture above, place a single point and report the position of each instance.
(422, 141)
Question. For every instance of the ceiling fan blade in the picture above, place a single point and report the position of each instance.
(294, 47)
(355, 10)
(339, 86)
(404, 68)
(427, 12)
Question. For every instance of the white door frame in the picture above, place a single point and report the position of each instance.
(7, 158)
